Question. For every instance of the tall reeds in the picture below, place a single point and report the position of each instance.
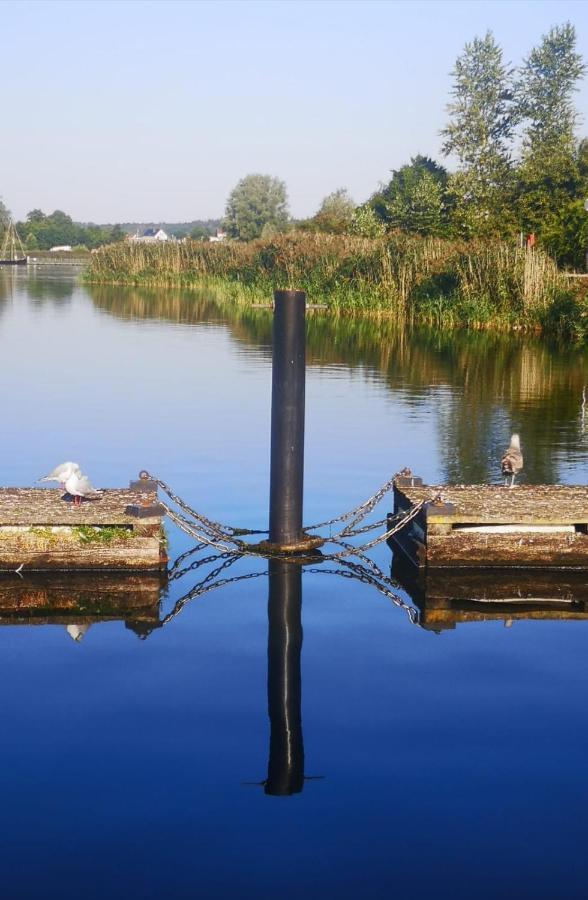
(435, 281)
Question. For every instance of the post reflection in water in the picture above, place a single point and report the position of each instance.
(285, 774)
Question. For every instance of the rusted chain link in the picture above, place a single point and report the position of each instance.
(215, 529)
(219, 531)
(204, 587)
(352, 571)
(226, 539)
(358, 512)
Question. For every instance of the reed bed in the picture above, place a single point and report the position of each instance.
(430, 281)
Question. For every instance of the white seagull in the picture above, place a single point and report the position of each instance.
(62, 472)
(80, 487)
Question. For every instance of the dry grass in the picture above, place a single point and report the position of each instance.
(410, 278)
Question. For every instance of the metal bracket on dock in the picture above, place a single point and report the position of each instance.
(439, 507)
(145, 511)
(405, 478)
(144, 485)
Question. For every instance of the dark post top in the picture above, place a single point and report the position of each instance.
(287, 428)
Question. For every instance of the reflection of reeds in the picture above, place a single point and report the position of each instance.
(403, 276)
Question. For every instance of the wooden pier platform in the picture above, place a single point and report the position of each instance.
(41, 529)
(481, 526)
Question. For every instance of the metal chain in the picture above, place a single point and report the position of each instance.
(176, 574)
(205, 587)
(358, 512)
(398, 526)
(365, 578)
(352, 571)
(215, 528)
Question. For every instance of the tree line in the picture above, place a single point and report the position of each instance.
(517, 169)
(41, 232)
(518, 165)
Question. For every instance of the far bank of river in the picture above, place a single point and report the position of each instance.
(433, 282)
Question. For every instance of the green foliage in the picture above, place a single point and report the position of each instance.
(4, 218)
(482, 119)
(365, 223)
(256, 201)
(42, 232)
(549, 173)
(475, 283)
(4, 214)
(335, 214)
(117, 234)
(200, 233)
(564, 233)
(415, 199)
(101, 534)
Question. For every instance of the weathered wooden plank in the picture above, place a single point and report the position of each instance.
(80, 591)
(449, 618)
(473, 585)
(136, 553)
(505, 550)
(82, 599)
(488, 504)
(47, 506)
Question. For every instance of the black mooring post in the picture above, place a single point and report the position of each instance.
(285, 771)
(287, 430)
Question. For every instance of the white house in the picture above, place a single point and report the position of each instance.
(151, 236)
(219, 236)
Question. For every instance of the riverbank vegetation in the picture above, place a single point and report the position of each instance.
(520, 173)
(412, 279)
(485, 245)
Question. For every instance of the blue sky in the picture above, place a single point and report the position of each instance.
(123, 111)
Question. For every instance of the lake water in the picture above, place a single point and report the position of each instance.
(135, 761)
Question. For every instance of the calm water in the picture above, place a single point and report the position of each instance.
(446, 764)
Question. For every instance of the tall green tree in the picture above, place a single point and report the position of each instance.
(482, 117)
(256, 201)
(366, 223)
(4, 214)
(550, 168)
(415, 199)
(335, 214)
(117, 234)
(4, 218)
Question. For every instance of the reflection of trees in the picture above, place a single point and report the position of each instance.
(7, 282)
(487, 384)
(42, 287)
(170, 305)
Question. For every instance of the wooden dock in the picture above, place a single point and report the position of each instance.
(481, 526)
(446, 599)
(41, 529)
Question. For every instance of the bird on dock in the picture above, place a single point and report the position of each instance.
(81, 488)
(512, 460)
(62, 472)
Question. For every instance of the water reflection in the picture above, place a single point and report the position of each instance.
(49, 284)
(446, 598)
(484, 385)
(76, 601)
(285, 771)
